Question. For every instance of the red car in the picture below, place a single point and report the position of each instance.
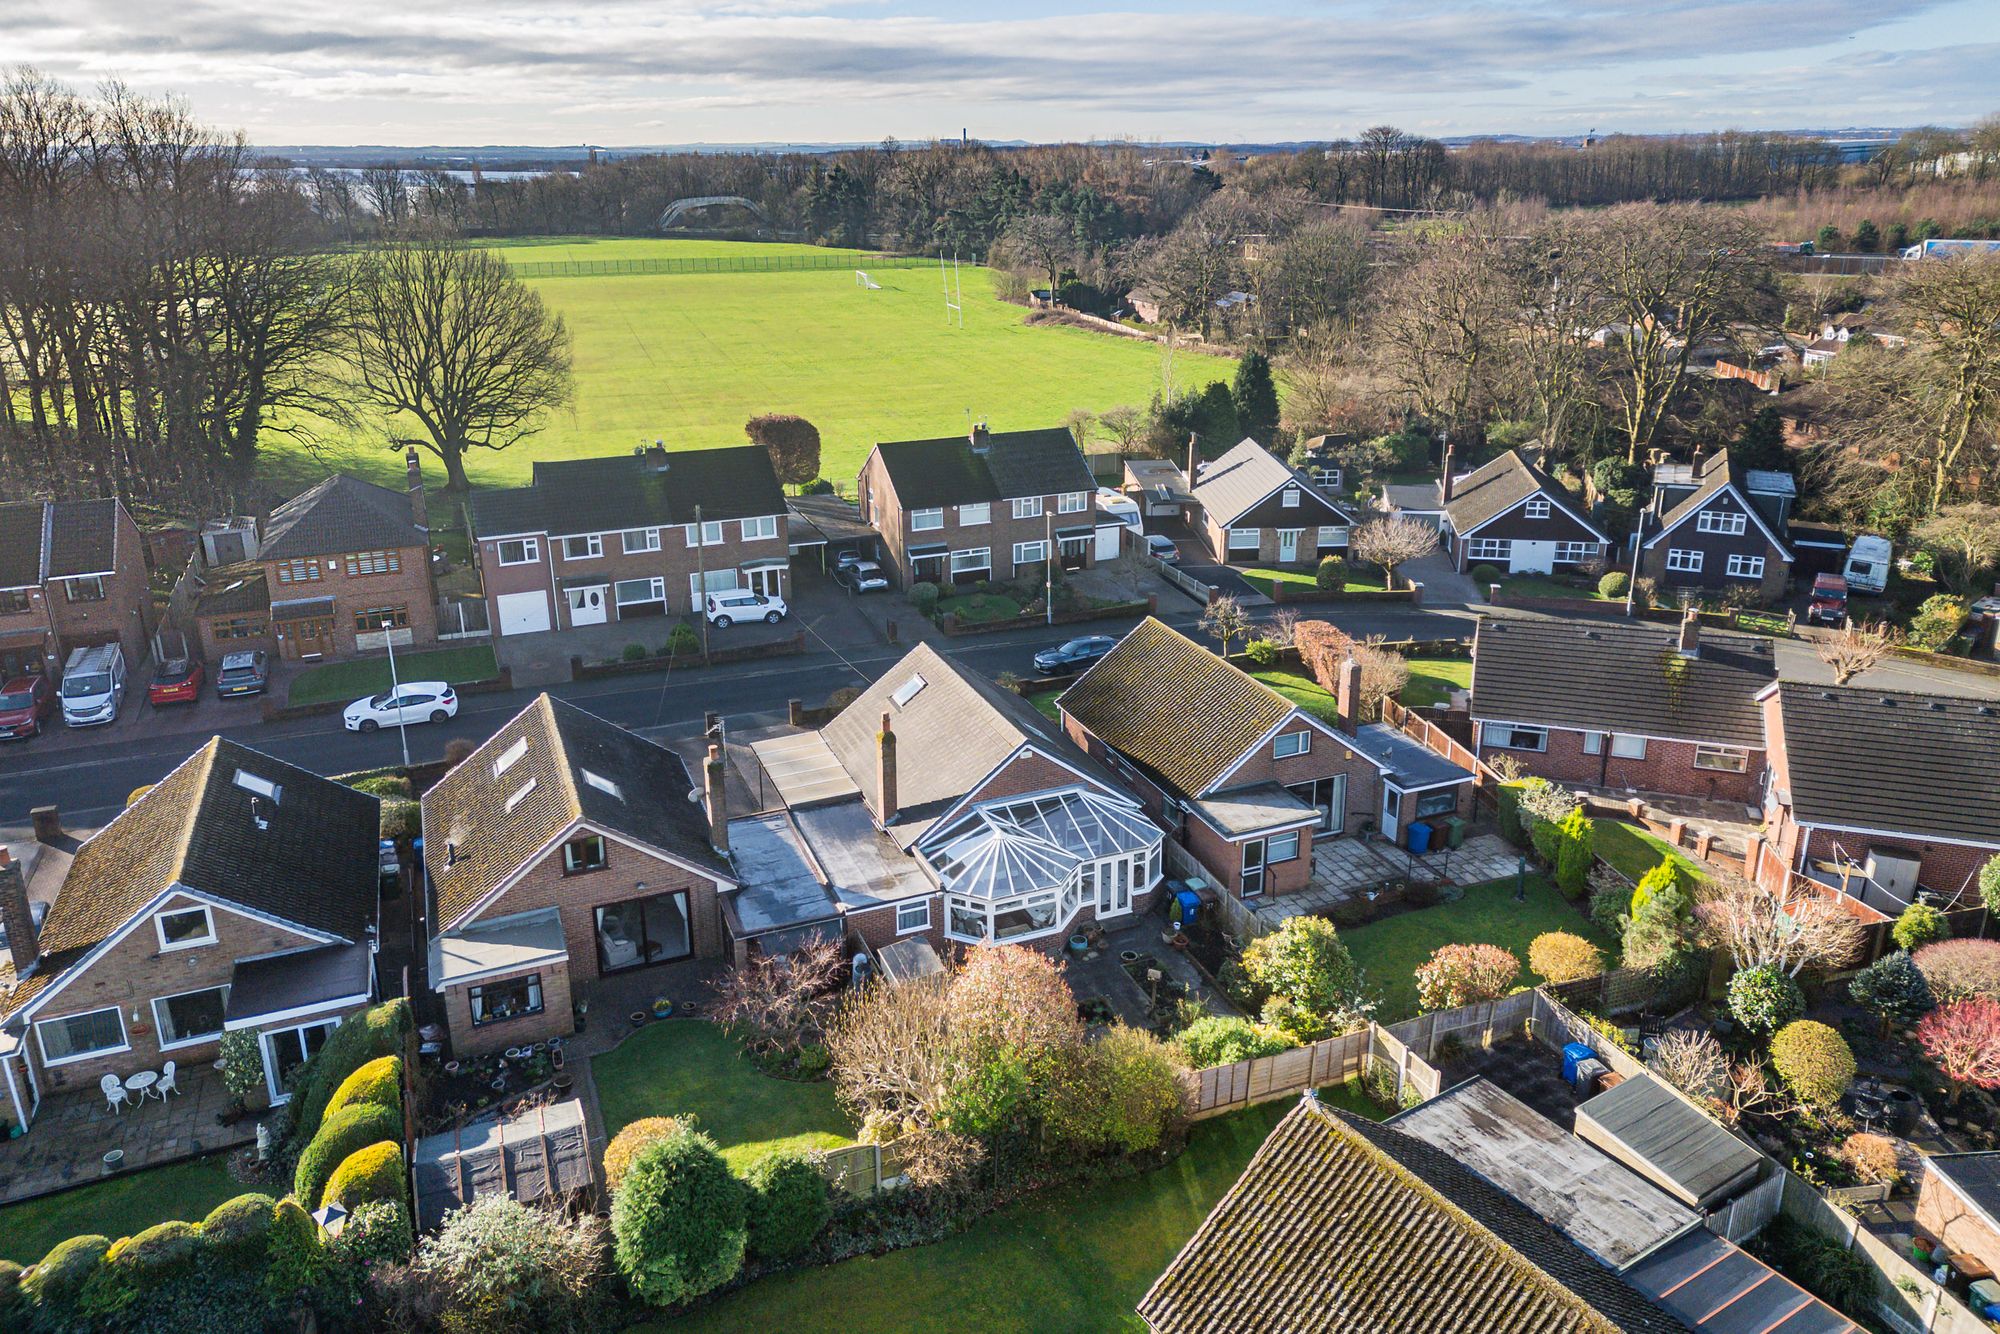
(24, 702)
(178, 682)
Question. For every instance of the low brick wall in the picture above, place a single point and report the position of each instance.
(583, 671)
(275, 712)
(1292, 594)
(951, 625)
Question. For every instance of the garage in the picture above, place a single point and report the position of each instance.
(522, 613)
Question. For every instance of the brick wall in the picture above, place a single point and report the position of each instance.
(1947, 867)
(557, 1019)
(124, 614)
(675, 563)
(1667, 767)
(1945, 1215)
(999, 534)
(36, 643)
(409, 586)
(1225, 858)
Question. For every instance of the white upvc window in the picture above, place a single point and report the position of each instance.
(1593, 743)
(1506, 736)
(913, 916)
(923, 521)
(1682, 561)
(1281, 847)
(635, 540)
(1536, 509)
(1246, 539)
(189, 1017)
(759, 529)
(970, 559)
(710, 534)
(185, 928)
(78, 1037)
(1288, 744)
(1746, 567)
(1574, 553)
(1729, 523)
(1290, 499)
(1028, 507)
(1029, 553)
(632, 592)
(1721, 759)
(1625, 746)
(1489, 548)
(1332, 535)
(584, 546)
(518, 551)
(1072, 502)
(973, 515)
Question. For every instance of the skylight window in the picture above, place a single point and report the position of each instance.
(505, 760)
(262, 787)
(907, 691)
(603, 784)
(520, 795)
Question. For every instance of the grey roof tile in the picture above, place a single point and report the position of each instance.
(947, 471)
(1892, 760)
(338, 515)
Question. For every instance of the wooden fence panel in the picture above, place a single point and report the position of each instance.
(853, 1171)
(1905, 1297)
(1745, 1216)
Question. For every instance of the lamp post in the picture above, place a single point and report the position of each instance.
(396, 690)
(1049, 567)
(1632, 580)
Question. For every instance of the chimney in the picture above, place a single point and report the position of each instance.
(1690, 637)
(885, 773)
(48, 824)
(419, 511)
(1444, 482)
(1194, 459)
(16, 915)
(1347, 695)
(716, 775)
(979, 438)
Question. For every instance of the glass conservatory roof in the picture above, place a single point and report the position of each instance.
(1032, 844)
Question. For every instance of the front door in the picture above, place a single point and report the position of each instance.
(311, 638)
(286, 1049)
(586, 605)
(766, 580)
(1288, 545)
(1253, 868)
(1392, 803)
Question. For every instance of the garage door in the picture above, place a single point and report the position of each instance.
(1532, 557)
(522, 613)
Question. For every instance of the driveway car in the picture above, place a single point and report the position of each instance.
(245, 673)
(726, 609)
(24, 702)
(1074, 655)
(1828, 605)
(863, 576)
(411, 702)
(1162, 548)
(177, 682)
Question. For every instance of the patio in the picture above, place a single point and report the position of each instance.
(1101, 973)
(66, 1144)
(1347, 868)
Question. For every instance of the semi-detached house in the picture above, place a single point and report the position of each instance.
(590, 541)
(72, 575)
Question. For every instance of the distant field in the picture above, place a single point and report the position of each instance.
(688, 358)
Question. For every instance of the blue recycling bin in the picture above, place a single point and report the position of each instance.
(1419, 837)
(1190, 903)
(1575, 1054)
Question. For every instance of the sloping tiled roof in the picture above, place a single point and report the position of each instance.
(233, 590)
(1893, 761)
(1339, 1224)
(1609, 675)
(1710, 476)
(1498, 485)
(21, 543)
(83, 537)
(1171, 706)
(654, 489)
(1245, 475)
(337, 515)
(547, 767)
(946, 471)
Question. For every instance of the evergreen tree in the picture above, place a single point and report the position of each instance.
(1255, 398)
(1866, 237)
(1762, 444)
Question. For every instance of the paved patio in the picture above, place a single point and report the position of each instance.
(1347, 868)
(1102, 973)
(67, 1142)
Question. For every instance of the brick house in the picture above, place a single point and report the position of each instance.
(1880, 792)
(590, 541)
(1624, 704)
(1256, 509)
(983, 506)
(1511, 515)
(239, 892)
(1958, 1203)
(1244, 779)
(72, 575)
(1716, 525)
(941, 808)
(562, 851)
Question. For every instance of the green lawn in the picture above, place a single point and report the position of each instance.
(1078, 1259)
(1433, 679)
(1390, 950)
(1537, 586)
(118, 1207)
(1045, 704)
(1301, 690)
(1261, 578)
(1633, 852)
(689, 358)
(690, 1067)
(367, 676)
(973, 608)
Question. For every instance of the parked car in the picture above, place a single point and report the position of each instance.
(847, 558)
(1074, 655)
(1161, 548)
(178, 681)
(245, 673)
(1829, 600)
(24, 702)
(93, 685)
(726, 609)
(411, 702)
(863, 576)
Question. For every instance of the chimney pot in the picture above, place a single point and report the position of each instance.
(979, 437)
(1347, 695)
(716, 773)
(885, 772)
(17, 916)
(1194, 459)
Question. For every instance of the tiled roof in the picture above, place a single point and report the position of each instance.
(83, 537)
(1245, 475)
(1893, 761)
(654, 489)
(1339, 1224)
(549, 766)
(1711, 475)
(233, 590)
(338, 515)
(21, 543)
(946, 471)
(1621, 676)
(1171, 706)
(1500, 484)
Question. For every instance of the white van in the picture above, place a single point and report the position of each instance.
(93, 685)
(1867, 568)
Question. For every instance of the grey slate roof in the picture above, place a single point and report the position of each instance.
(1245, 810)
(654, 489)
(233, 590)
(946, 471)
(338, 515)
(1500, 484)
(1235, 483)
(1893, 761)
(1976, 1176)
(83, 537)
(1621, 676)
(1408, 762)
(21, 543)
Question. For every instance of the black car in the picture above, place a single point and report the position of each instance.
(1074, 656)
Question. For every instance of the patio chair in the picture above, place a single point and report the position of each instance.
(166, 1084)
(114, 1092)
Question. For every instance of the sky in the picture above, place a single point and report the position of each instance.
(630, 72)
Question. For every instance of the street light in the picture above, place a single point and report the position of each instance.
(395, 689)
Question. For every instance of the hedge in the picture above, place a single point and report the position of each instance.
(373, 1173)
(787, 1206)
(379, 1083)
(240, 1228)
(58, 1280)
(626, 1145)
(159, 1250)
(345, 1130)
(380, 1030)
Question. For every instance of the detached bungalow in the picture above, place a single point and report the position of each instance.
(1258, 509)
(1510, 514)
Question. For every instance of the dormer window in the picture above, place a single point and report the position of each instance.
(584, 854)
(185, 928)
(1537, 509)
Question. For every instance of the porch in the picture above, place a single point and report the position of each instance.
(1345, 869)
(66, 1144)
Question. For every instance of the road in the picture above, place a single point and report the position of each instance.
(90, 781)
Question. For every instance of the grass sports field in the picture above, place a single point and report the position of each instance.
(688, 358)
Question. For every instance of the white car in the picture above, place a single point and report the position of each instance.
(412, 702)
(726, 609)
(1162, 548)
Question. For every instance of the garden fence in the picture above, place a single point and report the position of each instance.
(1905, 1296)
(1745, 1216)
(863, 1171)
(1220, 1089)
(1481, 1024)
(635, 268)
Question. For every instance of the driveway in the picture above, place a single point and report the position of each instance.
(1443, 585)
(1197, 563)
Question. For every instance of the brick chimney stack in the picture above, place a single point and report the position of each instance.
(48, 823)
(885, 772)
(419, 511)
(1690, 636)
(1347, 695)
(715, 778)
(16, 915)
(1194, 459)
(979, 438)
(1444, 482)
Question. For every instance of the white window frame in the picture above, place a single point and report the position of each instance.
(160, 927)
(160, 1023)
(658, 588)
(638, 541)
(1272, 843)
(124, 1038)
(1626, 746)
(1485, 549)
(1574, 553)
(1729, 523)
(710, 533)
(531, 550)
(971, 516)
(1745, 567)
(923, 906)
(1514, 731)
(1681, 560)
(1593, 743)
(1245, 539)
(1290, 499)
(1332, 535)
(925, 521)
(1028, 507)
(1031, 553)
(985, 555)
(1072, 502)
(1535, 509)
(760, 529)
(1721, 759)
(1301, 742)
(593, 546)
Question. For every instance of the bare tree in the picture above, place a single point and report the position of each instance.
(1383, 674)
(386, 187)
(1967, 536)
(1391, 543)
(783, 999)
(1225, 619)
(1439, 333)
(1692, 1061)
(893, 1051)
(1854, 648)
(445, 337)
(1126, 426)
(1758, 929)
(1045, 240)
(1558, 302)
(1191, 266)
(1311, 275)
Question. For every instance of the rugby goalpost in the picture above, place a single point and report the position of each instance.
(954, 290)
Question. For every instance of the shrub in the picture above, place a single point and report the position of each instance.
(1124, 1094)
(1574, 858)
(1662, 920)
(379, 1083)
(400, 819)
(679, 1221)
(1664, 876)
(634, 653)
(626, 1144)
(371, 1173)
(503, 1267)
(1960, 969)
(57, 1281)
(1989, 883)
(380, 1030)
(924, 597)
(384, 785)
(158, 1251)
(788, 1204)
(1936, 622)
(1893, 989)
(1304, 964)
(239, 1229)
(1614, 584)
(242, 1062)
(1261, 652)
(295, 1258)
(1225, 1040)
(1814, 1061)
(683, 640)
(1558, 956)
(1764, 1000)
(1919, 925)
(1873, 1158)
(13, 1306)
(344, 1130)
(1507, 803)
(377, 1233)
(1458, 975)
(1331, 574)
(1610, 902)
(1963, 1040)
(1485, 575)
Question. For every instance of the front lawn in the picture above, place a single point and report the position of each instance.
(118, 1207)
(1389, 951)
(1541, 586)
(1306, 580)
(1632, 851)
(1433, 679)
(370, 676)
(973, 608)
(1045, 704)
(1079, 1258)
(690, 1067)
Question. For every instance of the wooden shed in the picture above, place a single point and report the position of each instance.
(1646, 1126)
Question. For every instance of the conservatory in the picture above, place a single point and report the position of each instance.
(1019, 868)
